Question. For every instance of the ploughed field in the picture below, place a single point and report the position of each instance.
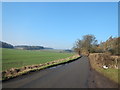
(13, 58)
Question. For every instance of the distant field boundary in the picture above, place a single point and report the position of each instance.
(15, 72)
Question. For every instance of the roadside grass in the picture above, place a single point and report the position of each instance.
(66, 60)
(12, 58)
(97, 60)
(14, 72)
(112, 74)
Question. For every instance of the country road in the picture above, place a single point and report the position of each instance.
(71, 75)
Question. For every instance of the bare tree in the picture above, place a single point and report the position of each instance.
(86, 44)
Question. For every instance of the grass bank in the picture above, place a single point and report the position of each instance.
(40, 60)
(111, 73)
(98, 60)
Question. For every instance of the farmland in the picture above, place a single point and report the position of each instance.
(12, 58)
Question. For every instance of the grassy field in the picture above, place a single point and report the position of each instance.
(12, 58)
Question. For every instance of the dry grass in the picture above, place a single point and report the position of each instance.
(97, 60)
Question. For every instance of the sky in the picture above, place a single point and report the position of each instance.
(57, 24)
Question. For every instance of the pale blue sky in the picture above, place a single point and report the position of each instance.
(58, 25)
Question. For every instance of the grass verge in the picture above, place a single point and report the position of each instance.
(112, 74)
(98, 60)
(12, 73)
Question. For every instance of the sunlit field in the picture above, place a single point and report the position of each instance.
(12, 58)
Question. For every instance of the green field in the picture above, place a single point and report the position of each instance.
(13, 58)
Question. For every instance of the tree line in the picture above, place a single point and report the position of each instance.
(89, 44)
(5, 45)
(24, 47)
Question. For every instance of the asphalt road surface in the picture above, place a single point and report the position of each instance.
(71, 75)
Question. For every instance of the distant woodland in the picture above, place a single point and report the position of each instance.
(5, 45)
(24, 47)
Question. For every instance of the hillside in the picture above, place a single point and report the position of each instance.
(5, 45)
(24, 47)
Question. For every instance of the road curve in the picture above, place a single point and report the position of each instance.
(71, 75)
